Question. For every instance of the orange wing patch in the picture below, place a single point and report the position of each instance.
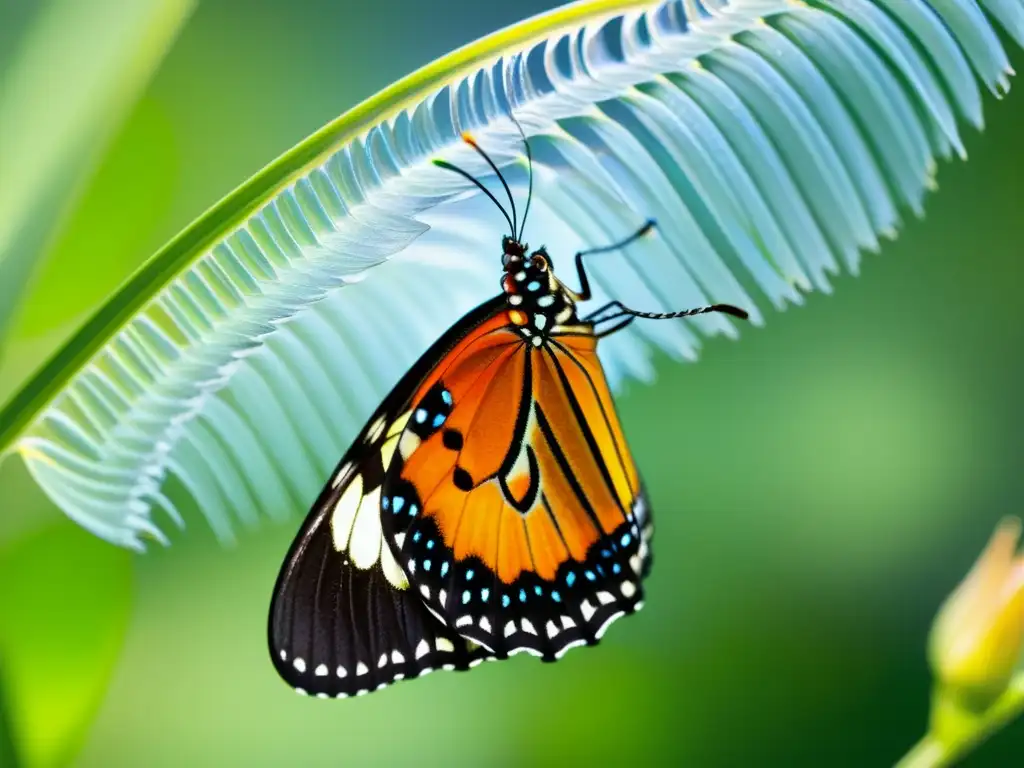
(514, 509)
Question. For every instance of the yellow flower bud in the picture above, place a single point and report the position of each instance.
(978, 636)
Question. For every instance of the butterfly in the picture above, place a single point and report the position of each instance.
(490, 506)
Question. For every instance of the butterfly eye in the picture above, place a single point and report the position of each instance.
(539, 262)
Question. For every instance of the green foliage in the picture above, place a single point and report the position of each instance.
(63, 616)
(76, 71)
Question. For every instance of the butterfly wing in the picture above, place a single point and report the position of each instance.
(342, 620)
(513, 504)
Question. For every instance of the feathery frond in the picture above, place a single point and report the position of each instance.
(773, 140)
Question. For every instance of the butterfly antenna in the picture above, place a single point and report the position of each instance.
(468, 138)
(614, 310)
(529, 166)
(449, 167)
(727, 309)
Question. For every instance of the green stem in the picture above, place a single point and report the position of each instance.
(927, 753)
(945, 745)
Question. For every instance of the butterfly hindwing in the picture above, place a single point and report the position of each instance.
(513, 504)
(342, 619)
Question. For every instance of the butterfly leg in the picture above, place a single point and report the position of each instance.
(584, 293)
(614, 328)
(596, 315)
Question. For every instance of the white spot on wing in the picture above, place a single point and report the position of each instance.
(628, 589)
(485, 625)
(424, 589)
(364, 546)
(510, 629)
(587, 610)
(397, 658)
(341, 474)
(605, 598)
(383, 660)
(444, 645)
(552, 630)
(464, 621)
(341, 671)
(387, 451)
(422, 649)
(345, 512)
(299, 664)
(399, 424)
(528, 627)
(321, 670)
(407, 443)
(361, 669)
(375, 431)
(568, 623)
(392, 571)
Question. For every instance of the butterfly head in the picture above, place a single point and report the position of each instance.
(538, 300)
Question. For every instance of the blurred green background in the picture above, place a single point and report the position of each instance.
(819, 487)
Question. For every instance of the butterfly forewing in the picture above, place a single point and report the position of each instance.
(343, 620)
(513, 504)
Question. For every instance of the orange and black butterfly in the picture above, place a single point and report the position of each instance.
(490, 506)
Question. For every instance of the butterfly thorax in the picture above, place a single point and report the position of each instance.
(538, 302)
